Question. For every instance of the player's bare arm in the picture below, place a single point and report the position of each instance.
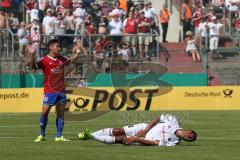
(150, 125)
(141, 140)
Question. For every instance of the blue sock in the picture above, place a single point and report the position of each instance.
(43, 123)
(60, 125)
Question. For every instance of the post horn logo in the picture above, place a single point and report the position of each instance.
(228, 92)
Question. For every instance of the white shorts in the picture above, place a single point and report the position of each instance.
(213, 43)
(132, 130)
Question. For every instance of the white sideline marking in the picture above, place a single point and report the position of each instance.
(219, 138)
(235, 129)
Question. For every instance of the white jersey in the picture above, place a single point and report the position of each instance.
(214, 28)
(164, 131)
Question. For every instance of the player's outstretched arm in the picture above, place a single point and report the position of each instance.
(141, 140)
(150, 125)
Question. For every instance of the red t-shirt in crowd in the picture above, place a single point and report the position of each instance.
(197, 14)
(131, 26)
(144, 29)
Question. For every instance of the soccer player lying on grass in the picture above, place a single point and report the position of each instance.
(164, 130)
(54, 87)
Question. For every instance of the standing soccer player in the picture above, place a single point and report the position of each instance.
(54, 87)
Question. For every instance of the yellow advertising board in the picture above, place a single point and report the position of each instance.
(21, 100)
(139, 98)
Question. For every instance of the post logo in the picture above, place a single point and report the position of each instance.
(228, 92)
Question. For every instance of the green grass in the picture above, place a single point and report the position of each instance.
(218, 131)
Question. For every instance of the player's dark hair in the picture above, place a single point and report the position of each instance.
(52, 41)
(192, 137)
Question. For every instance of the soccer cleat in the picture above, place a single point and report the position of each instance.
(61, 139)
(87, 133)
(81, 136)
(40, 139)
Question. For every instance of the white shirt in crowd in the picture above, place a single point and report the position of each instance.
(124, 53)
(191, 45)
(48, 24)
(202, 29)
(231, 6)
(148, 13)
(164, 131)
(23, 36)
(42, 4)
(117, 11)
(80, 12)
(34, 14)
(115, 28)
(214, 28)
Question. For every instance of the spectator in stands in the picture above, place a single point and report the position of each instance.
(136, 13)
(102, 26)
(23, 36)
(75, 4)
(124, 53)
(144, 25)
(215, 29)
(60, 28)
(60, 8)
(118, 11)
(42, 6)
(203, 32)
(186, 16)
(34, 13)
(48, 28)
(164, 17)
(29, 5)
(14, 23)
(155, 28)
(90, 30)
(218, 5)
(232, 5)
(70, 26)
(196, 19)
(130, 27)
(191, 46)
(100, 52)
(115, 28)
(147, 11)
(151, 9)
(4, 24)
(78, 47)
(35, 37)
(100, 46)
(80, 12)
(3, 19)
(105, 8)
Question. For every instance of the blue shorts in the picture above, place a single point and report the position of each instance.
(52, 99)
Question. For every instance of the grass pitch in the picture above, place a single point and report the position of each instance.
(218, 138)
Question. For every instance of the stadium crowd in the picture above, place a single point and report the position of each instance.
(102, 24)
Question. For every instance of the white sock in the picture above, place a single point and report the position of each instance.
(104, 132)
(105, 139)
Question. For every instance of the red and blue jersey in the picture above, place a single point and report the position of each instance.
(53, 70)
